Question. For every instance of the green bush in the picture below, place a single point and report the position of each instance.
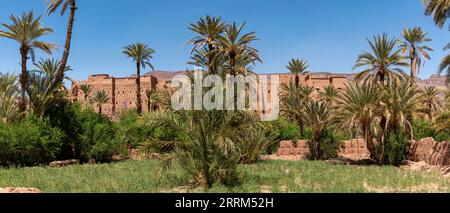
(282, 129)
(98, 137)
(397, 148)
(32, 141)
(129, 132)
(63, 115)
(424, 129)
(332, 142)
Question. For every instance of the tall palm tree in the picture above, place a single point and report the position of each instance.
(412, 43)
(9, 92)
(398, 104)
(329, 95)
(86, 89)
(26, 30)
(439, 9)
(318, 116)
(383, 64)
(429, 97)
(141, 54)
(297, 67)
(42, 92)
(209, 30)
(357, 109)
(52, 7)
(100, 98)
(445, 64)
(232, 44)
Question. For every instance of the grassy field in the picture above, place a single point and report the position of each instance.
(266, 176)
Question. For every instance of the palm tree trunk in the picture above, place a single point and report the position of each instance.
(211, 64)
(369, 142)
(297, 80)
(413, 69)
(233, 64)
(60, 73)
(100, 109)
(23, 79)
(430, 114)
(148, 105)
(138, 89)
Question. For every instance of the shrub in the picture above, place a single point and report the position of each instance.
(423, 129)
(205, 148)
(332, 142)
(282, 129)
(63, 115)
(252, 143)
(397, 148)
(128, 130)
(32, 141)
(98, 137)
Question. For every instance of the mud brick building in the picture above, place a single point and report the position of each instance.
(122, 91)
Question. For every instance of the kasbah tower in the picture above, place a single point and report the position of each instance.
(122, 91)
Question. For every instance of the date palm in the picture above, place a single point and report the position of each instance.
(318, 116)
(26, 30)
(53, 5)
(293, 100)
(232, 44)
(358, 110)
(297, 67)
(42, 92)
(100, 98)
(209, 30)
(445, 65)
(141, 54)
(86, 89)
(439, 9)
(329, 95)
(429, 97)
(412, 44)
(9, 92)
(398, 104)
(383, 64)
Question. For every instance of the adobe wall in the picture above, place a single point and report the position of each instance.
(121, 92)
(426, 149)
(433, 153)
(353, 149)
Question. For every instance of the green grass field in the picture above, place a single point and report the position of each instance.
(265, 176)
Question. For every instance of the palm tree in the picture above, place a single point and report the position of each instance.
(383, 63)
(100, 98)
(232, 44)
(297, 67)
(413, 38)
(209, 30)
(445, 64)
(154, 99)
(429, 97)
(439, 9)
(9, 92)
(318, 116)
(357, 109)
(141, 54)
(329, 95)
(52, 7)
(398, 105)
(26, 30)
(87, 89)
(42, 92)
(293, 101)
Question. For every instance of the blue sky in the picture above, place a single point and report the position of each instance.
(328, 33)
